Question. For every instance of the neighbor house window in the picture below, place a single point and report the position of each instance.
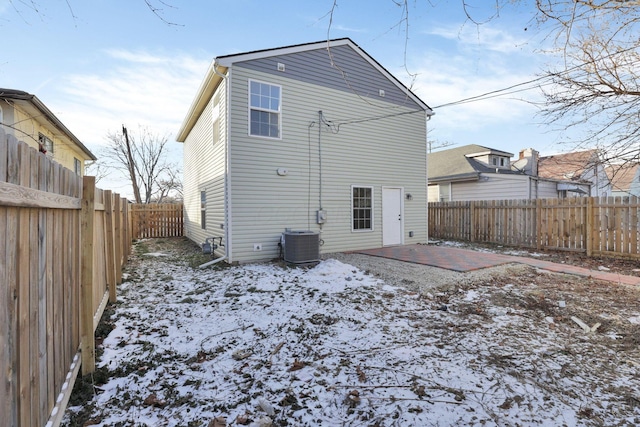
(203, 209)
(1, 116)
(77, 166)
(264, 109)
(362, 208)
(46, 144)
(445, 192)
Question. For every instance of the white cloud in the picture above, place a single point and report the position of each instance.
(483, 38)
(141, 88)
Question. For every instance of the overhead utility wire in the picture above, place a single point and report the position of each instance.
(504, 91)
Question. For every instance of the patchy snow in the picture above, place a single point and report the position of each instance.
(155, 254)
(330, 345)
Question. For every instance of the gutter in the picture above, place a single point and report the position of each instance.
(19, 95)
(472, 176)
(227, 200)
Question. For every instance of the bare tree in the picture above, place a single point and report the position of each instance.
(594, 92)
(96, 169)
(142, 159)
(22, 7)
(170, 187)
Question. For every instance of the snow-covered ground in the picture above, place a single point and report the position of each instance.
(266, 344)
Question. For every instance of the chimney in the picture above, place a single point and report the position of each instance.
(531, 162)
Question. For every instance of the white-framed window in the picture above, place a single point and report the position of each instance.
(77, 166)
(361, 208)
(46, 144)
(265, 103)
(1, 116)
(203, 209)
(445, 192)
(500, 161)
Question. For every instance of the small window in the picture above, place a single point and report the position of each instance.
(46, 144)
(203, 209)
(445, 192)
(1, 116)
(362, 208)
(264, 109)
(77, 166)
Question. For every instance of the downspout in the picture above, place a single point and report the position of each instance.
(227, 243)
(426, 167)
(320, 164)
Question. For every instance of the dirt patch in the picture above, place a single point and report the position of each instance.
(267, 345)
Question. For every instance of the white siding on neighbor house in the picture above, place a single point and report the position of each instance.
(492, 187)
(544, 189)
(381, 152)
(204, 170)
(433, 193)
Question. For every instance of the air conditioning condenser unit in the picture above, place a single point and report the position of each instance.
(301, 247)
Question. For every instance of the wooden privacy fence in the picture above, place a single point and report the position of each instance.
(62, 245)
(595, 225)
(157, 220)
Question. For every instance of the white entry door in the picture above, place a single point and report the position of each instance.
(392, 216)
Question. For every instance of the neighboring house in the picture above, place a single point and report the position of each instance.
(26, 118)
(476, 172)
(625, 179)
(314, 137)
(577, 169)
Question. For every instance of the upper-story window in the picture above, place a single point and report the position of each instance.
(265, 101)
(46, 144)
(1, 116)
(500, 161)
(77, 166)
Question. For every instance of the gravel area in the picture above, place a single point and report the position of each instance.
(422, 278)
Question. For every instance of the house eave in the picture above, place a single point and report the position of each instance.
(474, 176)
(26, 99)
(220, 66)
(207, 88)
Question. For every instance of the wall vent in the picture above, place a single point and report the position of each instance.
(301, 247)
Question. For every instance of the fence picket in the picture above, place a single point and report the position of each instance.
(40, 272)
(157, 220)
(606, 225)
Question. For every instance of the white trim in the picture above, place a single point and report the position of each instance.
(229, 60)
(250, 107)
(368, 230)
(228, 217)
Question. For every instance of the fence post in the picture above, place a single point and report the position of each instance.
(87, 223)
(119, 237)
(472, 221)
(590, 231)
(538, 231)
(111, 257)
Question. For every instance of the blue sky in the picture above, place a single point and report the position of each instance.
(98, 64)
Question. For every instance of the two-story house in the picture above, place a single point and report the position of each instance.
(316, 137)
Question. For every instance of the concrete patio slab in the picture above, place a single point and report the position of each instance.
(464, 260)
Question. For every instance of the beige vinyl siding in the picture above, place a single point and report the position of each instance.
(27, 129)
(385, 152)
(204, 171)
(492, 187)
